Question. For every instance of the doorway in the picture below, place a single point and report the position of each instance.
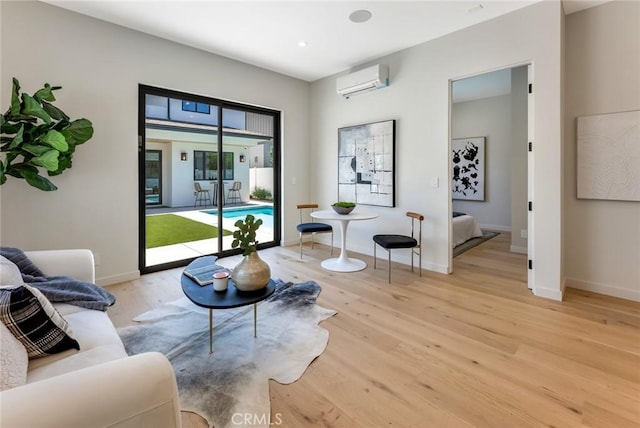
(195, 178)
(490, 112)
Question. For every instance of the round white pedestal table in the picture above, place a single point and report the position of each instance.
(344, 263)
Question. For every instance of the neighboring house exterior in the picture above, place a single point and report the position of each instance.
(181, 141)
(589, 244)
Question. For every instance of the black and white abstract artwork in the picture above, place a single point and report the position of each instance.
(366, 163)
(468, 169)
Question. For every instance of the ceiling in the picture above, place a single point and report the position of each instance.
(266, 33)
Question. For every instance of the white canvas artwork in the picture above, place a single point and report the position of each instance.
(366, 163)
(609, 156)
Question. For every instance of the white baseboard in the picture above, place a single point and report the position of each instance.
(435, 267)
(116, 279)
(495, 227)
(609, 290)
(519, 250)
(549, 293)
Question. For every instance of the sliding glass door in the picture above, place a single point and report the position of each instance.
(204, 164)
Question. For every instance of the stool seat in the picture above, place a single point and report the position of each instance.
(395, 241)
(313, 227)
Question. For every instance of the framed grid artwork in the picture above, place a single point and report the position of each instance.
(366, 163)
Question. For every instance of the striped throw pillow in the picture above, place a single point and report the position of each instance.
(34, 321)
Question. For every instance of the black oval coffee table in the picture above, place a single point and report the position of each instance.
(205, 297)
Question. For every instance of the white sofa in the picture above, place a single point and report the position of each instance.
(98, 386)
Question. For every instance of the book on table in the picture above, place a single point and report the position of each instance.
(204, 275)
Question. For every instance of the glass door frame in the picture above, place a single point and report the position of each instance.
(143, 91)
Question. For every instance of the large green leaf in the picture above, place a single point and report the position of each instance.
(10, 127)
(40, 182)
(64, 162)
(35, 150)
(15, 98)
(78, 132)
(3, 176)
(56, 140)
(45, 93)
(33, 108)
(30, 173)
(17, 139)
(49, 160)
(54, 111)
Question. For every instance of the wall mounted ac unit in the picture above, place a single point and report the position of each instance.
(364, 80)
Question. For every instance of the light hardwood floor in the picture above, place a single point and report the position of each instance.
(471, 349)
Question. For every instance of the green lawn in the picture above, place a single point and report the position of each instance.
(167, 229)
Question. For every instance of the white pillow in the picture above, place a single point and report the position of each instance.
(13, 360)
(9, 273)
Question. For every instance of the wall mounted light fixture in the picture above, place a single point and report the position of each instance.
(242, 158)
(183, 156)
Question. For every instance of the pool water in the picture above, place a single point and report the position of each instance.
(264, 213)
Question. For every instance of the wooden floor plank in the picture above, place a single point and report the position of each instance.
(470, 349)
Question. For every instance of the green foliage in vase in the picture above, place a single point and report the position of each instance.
(343, 204)
(38, 135)
(245, 236)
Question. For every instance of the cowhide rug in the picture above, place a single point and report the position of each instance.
(232, 382)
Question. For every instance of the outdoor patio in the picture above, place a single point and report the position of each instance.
(186, 250)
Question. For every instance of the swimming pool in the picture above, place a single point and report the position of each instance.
(265, 213)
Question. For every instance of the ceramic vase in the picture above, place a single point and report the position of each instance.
(251, 274)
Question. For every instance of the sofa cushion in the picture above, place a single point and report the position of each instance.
(9, 273)
(99, 343)
(34, 321)
(13, 360)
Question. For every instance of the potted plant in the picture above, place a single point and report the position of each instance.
(252, 273)
(38, 135)
(343, 207)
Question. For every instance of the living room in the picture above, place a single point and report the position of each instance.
(585, 244)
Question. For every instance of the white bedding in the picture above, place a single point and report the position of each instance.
(465, 227)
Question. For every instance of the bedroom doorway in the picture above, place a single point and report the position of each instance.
(490, 127)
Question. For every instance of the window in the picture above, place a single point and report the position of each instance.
(196, 107)
(205, 165)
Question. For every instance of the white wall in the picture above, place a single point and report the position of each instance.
(418, 98)
(99, 65)
(489, 118)
(602, 251)
(261, 178)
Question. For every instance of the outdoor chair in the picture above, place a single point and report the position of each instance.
(202, 195)
(311, 228)
(234, 192)
(389, 242)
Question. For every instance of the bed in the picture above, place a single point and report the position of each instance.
(465, 227)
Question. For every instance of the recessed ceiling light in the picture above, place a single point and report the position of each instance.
(302, 43)
(360, 16)
(476, 8)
